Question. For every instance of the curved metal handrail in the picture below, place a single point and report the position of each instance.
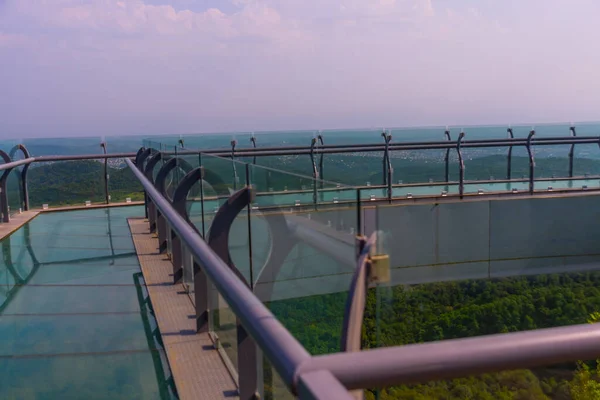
(218, 236)
(173, 163)
(23, 173)
(149, 168)
(357, 295)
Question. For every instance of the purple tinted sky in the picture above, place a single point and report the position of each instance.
(75, 67)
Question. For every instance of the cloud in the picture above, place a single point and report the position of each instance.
(187, 65)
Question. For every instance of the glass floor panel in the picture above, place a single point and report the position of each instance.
(75, 321)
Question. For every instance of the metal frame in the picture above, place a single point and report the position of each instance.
(325, 376)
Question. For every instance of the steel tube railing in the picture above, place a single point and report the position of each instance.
(17, 163)
(419, 363)
(337, 149)
(280, 347)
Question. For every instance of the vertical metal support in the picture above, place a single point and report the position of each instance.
(3, 188)
(572, 152)
(106, 195)
(177, 259)
(253, 140)
(384, 161)
(447, 157)
(235, 176)
(23, 175)
(461, 165)
(531, 161)
(25, 187)
(201, 293)
(249, 211)
(4, 197)
(387, 167)
(247, 364)
(510, 148)
(321, 173)
(161, 230)
(315, 170)
(359, 211)
(202, 206)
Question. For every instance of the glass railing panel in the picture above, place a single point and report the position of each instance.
(474, 268)
(222, 178)
(273, 387)
(302, 254)
(64, 183)
(122, 183)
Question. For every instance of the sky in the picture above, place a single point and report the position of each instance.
(116, 67)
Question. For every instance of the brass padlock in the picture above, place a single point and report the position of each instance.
(380, 268)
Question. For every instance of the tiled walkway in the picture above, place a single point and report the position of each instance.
(198, 370)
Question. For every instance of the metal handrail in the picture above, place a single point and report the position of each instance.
(17, 163)
(454, 358)
(282, 349)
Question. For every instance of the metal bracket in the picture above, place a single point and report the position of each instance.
(164, 171)
(141, 157)
(181, 193)
(218, 237)
(149, 169)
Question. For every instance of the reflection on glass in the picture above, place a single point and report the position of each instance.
(74, 314)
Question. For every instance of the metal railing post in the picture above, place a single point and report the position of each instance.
(314, 170)
(4, 200)
(388, 170)
(247, 364)
(106, 177)
(531, 161)
(447, 157)
(571, 152)
(201, 295)
(461, 165)
(509, 157)
(177, 258)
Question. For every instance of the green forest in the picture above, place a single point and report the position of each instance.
(435, 311)
(73, 182)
